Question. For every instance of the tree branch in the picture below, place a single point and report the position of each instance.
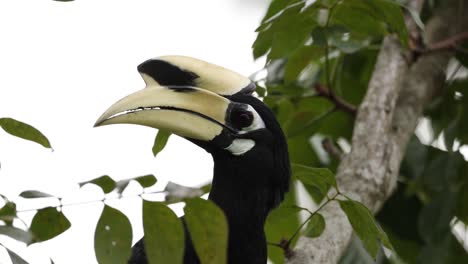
(449, 43)
(339, 102)
(385, 121)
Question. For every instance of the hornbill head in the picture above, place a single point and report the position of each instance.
(212, 107)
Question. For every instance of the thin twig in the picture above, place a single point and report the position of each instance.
(339, 102)
(448, 44)
(310, 217)
(330, 147)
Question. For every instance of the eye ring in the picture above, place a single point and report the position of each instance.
(241, 118)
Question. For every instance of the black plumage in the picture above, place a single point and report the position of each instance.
(251, 162)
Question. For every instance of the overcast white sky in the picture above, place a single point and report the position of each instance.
(63, 64)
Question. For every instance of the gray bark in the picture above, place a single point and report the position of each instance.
(385, 122)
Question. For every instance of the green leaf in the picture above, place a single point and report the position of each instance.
(346, 41)
(208, 229)
(280, 215)
(392, 14)
(106, 183)
(316, 226)
(281, 223)
(16, 233)
(34, 194)
(299, 60)
(160, 141)
(358, 16)
(277, 6)
(24, 131)
(434, 219)
(15, 258)
(276, 34)
(164, 234)
(48, 223)
(365, 226)
(146, 181)
(369, 17)
(321, 178)
(113, 237)
(8, 212)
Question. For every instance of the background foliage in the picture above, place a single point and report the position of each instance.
(320, 57)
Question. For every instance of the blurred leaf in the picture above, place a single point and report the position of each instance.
(316, 226)
(24, 131)
(276, 35)
(321, 178)
(400, 214)
(462, 204)
(262, 43)
(177, 193)
(208, 229)
(443, 169)
(368, 17)
(448, 250)
(300, 58)
(415, 159)
(48, 223)
(307, 123)
(337, 124)
(358, 16)
(285, 40)
(34, 194)
(352, 75)
(365, 226)
(285, 110)
(164, 234)
(16, 233)
(392, 14)
(8, 212)
(277, 6)
(144, 181)
(113, 237)
(356, 253)
(106, 183)
(15, 258)
(160, 141)
(462, 54)
(434, 220)
(347, 42)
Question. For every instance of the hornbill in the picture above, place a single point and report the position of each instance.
(214, 108)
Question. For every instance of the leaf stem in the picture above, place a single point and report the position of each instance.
(310, 217)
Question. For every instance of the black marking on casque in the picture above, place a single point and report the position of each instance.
(248, 90)
(182, 89)
(167, 74)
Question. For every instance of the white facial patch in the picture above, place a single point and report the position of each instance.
(240, 146)
(257, 122)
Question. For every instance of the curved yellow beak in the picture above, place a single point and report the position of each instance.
(186, 111)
